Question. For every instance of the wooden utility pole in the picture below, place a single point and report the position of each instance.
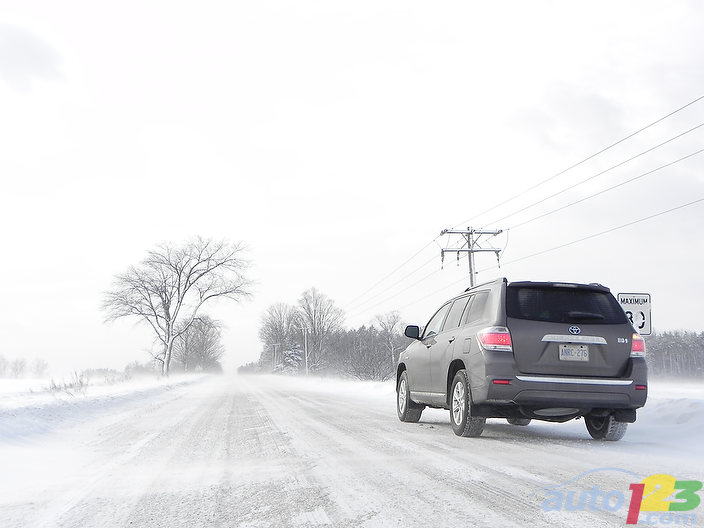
(471, 245)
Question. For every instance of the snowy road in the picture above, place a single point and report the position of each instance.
(274, 451)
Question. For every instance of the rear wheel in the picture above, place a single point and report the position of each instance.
(408, 410)
(518, 421)
(463, 423)
(605, 427)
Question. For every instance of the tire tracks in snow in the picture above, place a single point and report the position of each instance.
(416, 469)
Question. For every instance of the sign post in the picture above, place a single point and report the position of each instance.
(637, 308)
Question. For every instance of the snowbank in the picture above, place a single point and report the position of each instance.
(29, 408)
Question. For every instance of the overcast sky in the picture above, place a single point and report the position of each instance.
(337, 139)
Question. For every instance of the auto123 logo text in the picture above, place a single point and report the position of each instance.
(654, 500)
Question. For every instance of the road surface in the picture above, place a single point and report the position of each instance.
(273, 451)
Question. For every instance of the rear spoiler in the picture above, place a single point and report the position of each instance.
(595, 286)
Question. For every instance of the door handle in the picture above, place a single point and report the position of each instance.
(452, 339)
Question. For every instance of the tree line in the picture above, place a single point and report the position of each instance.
(20, 368)
(678, 353)
(309, 337)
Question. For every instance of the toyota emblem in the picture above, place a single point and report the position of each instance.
(574, 330)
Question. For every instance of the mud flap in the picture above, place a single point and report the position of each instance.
(625, 415)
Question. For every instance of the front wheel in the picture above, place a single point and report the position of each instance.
(408, 410)
(605, 428)
(463, 423)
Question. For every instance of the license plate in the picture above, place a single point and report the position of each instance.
(574, 352)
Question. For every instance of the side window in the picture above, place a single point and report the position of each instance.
(477, 309)
(455, 314)
(435, 323)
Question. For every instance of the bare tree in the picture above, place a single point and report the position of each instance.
(279, 327)
(321, 317)
(391, 324)
(365, 357)
(172, 283)
(18, 368)
(4, 364)
(206, 340)
(184, 352)
(40, 368)
(363, 352)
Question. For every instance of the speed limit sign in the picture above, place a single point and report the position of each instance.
(637, 308)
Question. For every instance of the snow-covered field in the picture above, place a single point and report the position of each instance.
(277, 451)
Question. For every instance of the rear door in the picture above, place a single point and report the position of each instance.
(568, 329)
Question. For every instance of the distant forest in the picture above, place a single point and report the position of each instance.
(678, 353)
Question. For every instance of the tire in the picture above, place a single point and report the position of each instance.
(518, 421)
(463, 424)
(407, 409)
(605, 428)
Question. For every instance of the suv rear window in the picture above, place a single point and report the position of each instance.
(563, 305)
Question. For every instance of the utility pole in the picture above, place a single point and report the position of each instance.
(471, 245)
(305, 330)
(273, 357)
(305, 346)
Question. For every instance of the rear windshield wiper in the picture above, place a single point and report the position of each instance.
(584, 315)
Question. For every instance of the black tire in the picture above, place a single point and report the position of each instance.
(518, 421)
(463, 423)
(605, 428)
(407, 409)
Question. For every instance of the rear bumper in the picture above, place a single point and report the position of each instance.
(541, 391)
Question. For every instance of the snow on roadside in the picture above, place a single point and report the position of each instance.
(22, 385)
(673, 416)
(29, 408)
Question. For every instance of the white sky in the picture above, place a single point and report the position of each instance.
(336, 140)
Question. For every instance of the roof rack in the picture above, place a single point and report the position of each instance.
(485, 283)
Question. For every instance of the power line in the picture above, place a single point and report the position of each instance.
(631, 180)
(453, 284)
(561, 246)
(607, 231)
(601, 173)
(359, 305)
(629, 136)
(391, 272)
(359, 309)
(355, 313)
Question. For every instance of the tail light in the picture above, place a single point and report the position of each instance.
(637, 346)
(495, 338)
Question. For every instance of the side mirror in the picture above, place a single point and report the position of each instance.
(412, 331)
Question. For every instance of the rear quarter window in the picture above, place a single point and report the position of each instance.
(563, 305)
(477, 310)
(455, 314)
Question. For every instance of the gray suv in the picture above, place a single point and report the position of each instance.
(526, 350)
